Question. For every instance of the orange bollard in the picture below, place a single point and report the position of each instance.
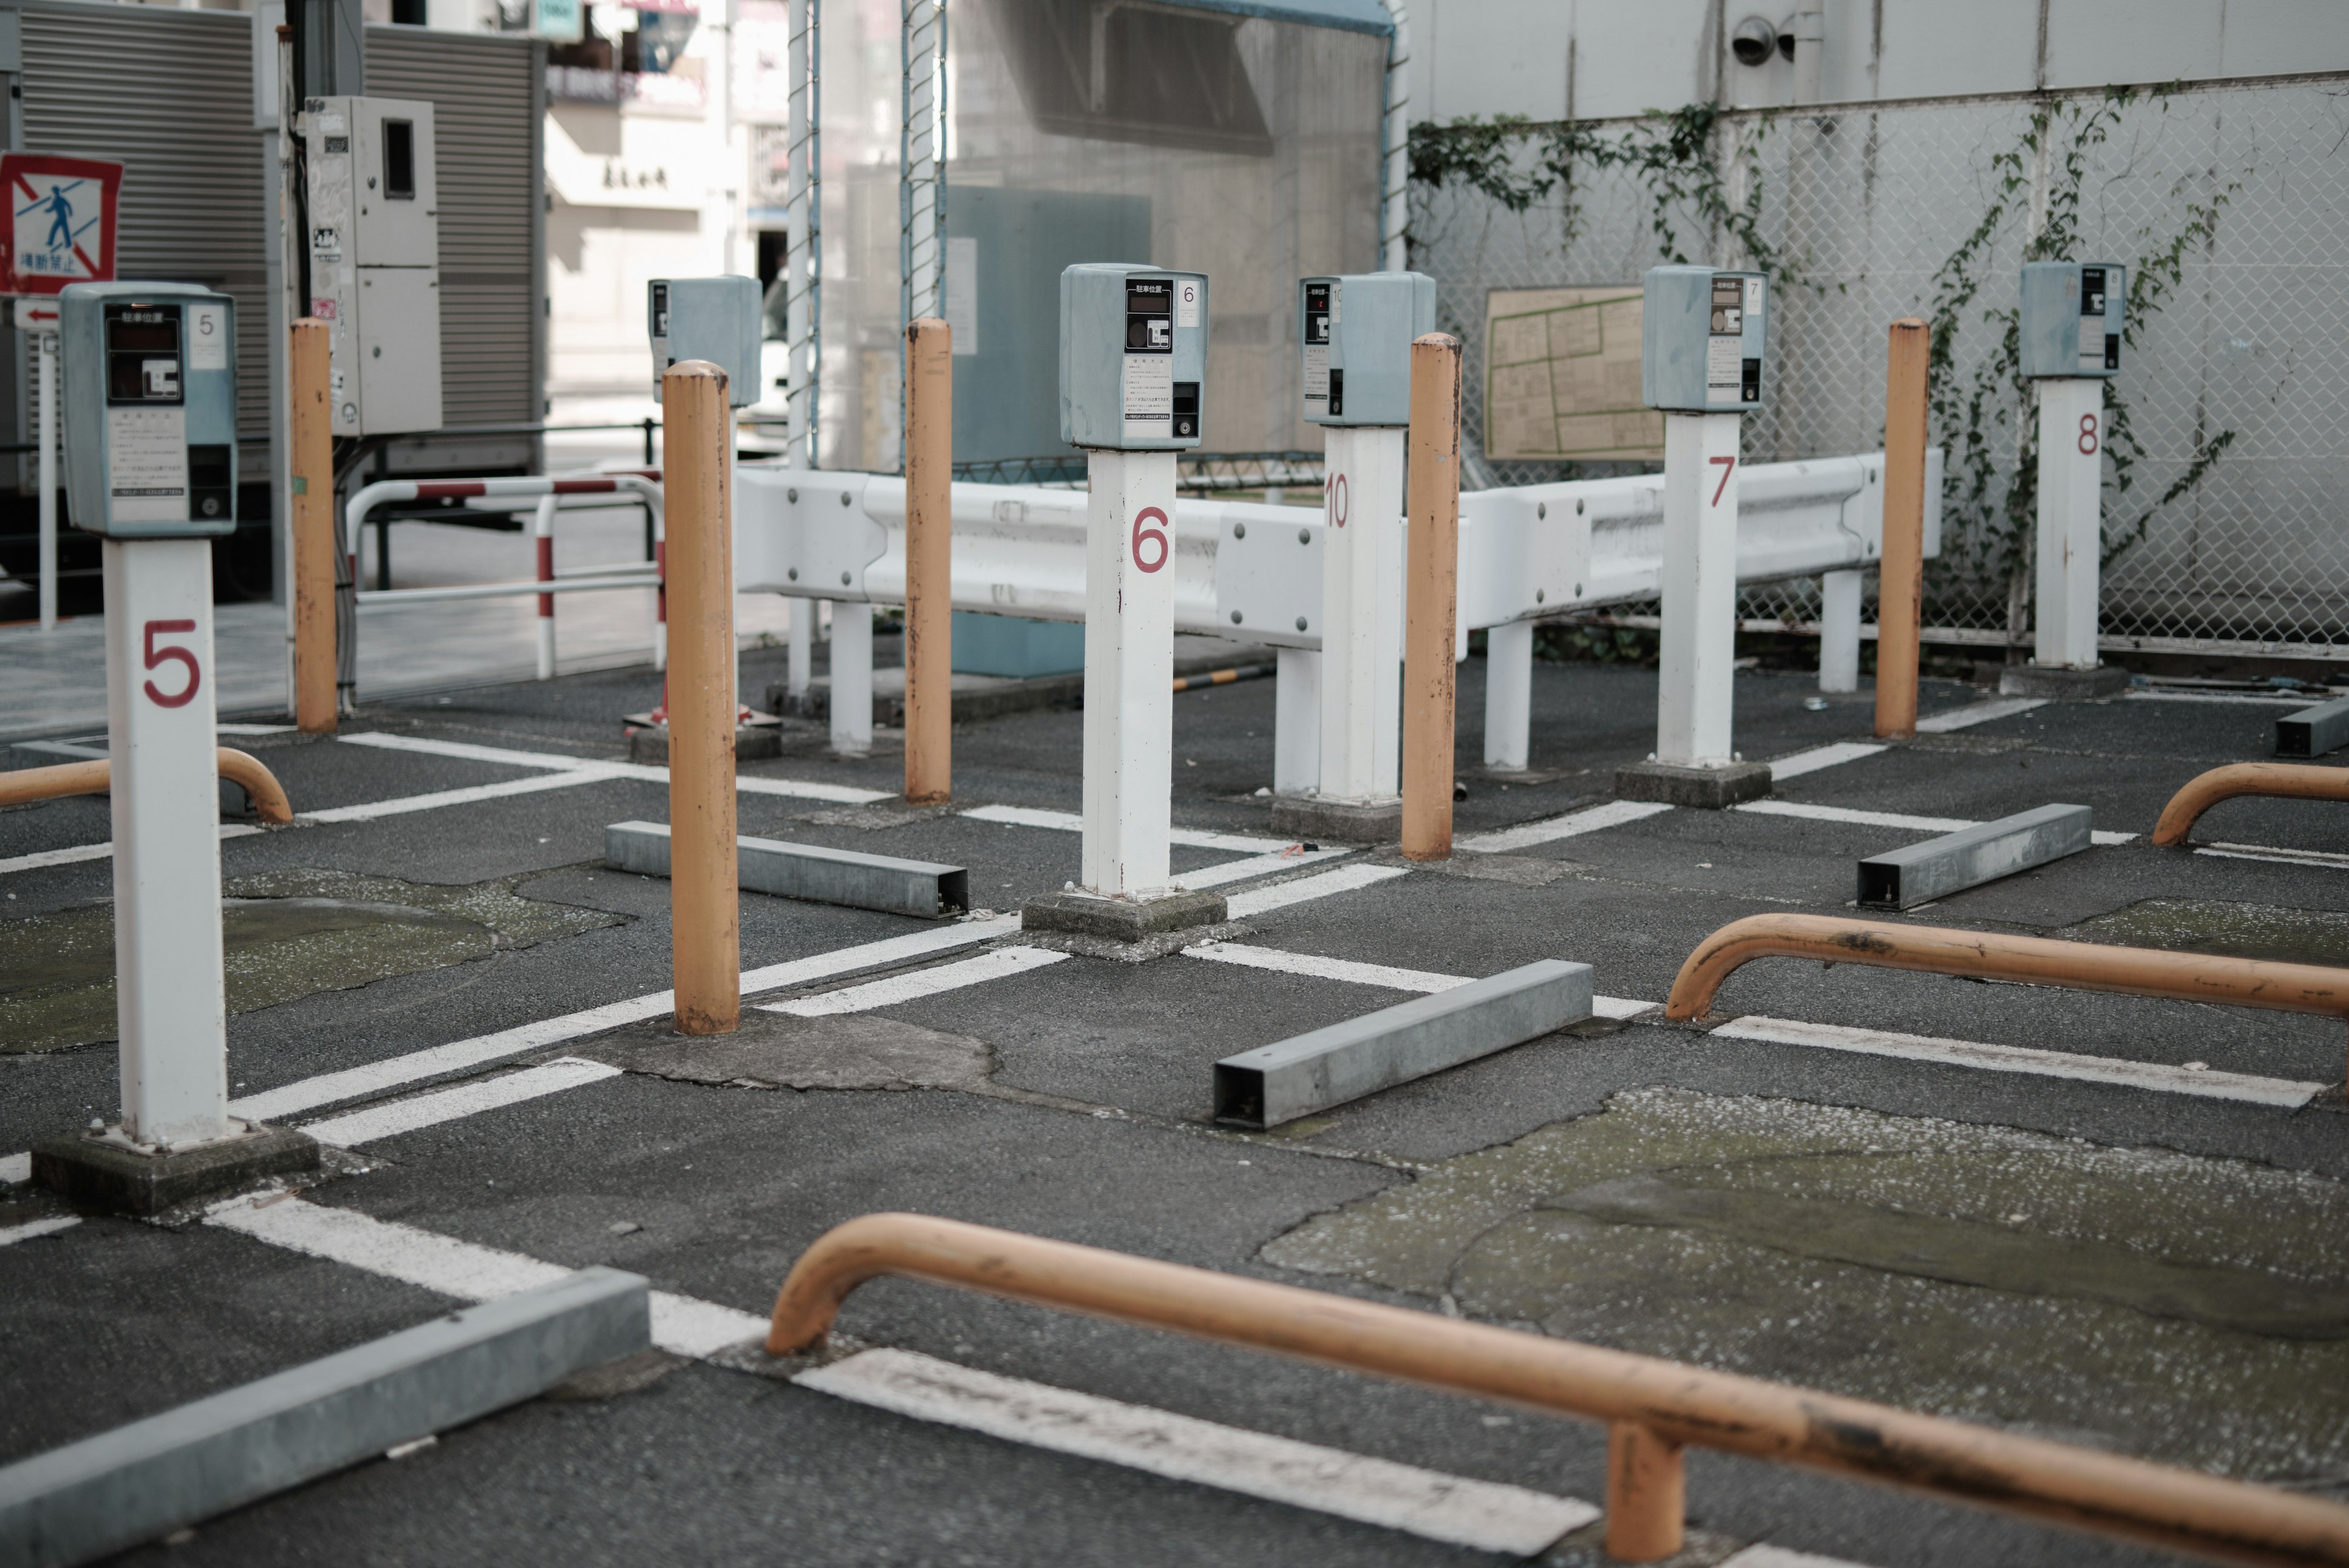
(1647, 1494)
(311, 509)
(1432, 606)
(1900, 597)
(704, 898)
(929, 561)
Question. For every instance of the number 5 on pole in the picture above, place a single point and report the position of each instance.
(159, 656)
(1728, 466)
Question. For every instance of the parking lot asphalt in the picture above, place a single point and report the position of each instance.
(2001, 1244)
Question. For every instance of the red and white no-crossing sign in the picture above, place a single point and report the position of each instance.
(61, 222)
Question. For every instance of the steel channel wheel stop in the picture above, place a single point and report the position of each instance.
(150, 380)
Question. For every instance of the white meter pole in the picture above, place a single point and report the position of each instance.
(1362, 615)
(2071, 524)
(1700, 589)
(45, 349)
(167, 866)
(1129, 672)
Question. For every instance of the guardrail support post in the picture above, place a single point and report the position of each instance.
(1839, 595)
(1900, 594)
(1296, 720)
(929, 561)
(1647, 1494)
(1431, 606)
(311, 464)
(852, 678)
(704, 899)
(1508, 694)
(1361, 619)
(542, 532)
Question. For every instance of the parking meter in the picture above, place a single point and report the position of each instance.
(712, 319)
(1354, 339)
(1704, 334)
(1133, 356)
(2073, 314)
(151, 409)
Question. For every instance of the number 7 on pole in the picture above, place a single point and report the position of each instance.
(1728, 466)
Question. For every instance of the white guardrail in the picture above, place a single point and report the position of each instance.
(1252, 573)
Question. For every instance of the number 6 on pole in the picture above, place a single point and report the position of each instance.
(1144, 532)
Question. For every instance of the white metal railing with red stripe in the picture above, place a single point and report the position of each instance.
(550, 493)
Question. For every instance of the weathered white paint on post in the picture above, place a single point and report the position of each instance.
(1129, 672)
(45, 350)
(1296, 720)
(167, 870)
(1839, 631)
(1508, 694)
(1699, 588)
(1362, 615)
(852, 678)
(2071, 479)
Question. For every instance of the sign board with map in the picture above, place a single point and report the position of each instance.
(1562, 377)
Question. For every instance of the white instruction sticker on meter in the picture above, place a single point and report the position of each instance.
(147, 464)
(1723, 367)
(1150, 395)
(1186, 302)
(208, 337)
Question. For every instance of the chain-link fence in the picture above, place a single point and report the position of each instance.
(2227, 471)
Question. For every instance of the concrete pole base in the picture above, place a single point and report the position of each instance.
(1073, 913)
(1709, 789)
(648, 743)
(1310, 819)
(93, 1174)
(2059, 684)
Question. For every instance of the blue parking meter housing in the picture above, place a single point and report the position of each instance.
(150, 406)
(1353, 336)
(1703, 336)
(712, 319)
(2073, 316)
(1133, 356)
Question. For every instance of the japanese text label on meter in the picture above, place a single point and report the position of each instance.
(151, 409)
(1133, 356)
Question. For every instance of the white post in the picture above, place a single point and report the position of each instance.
(544, 534)
(1296, 720)
(44, 349)
(1508, 694)
(1129, 673)
(801, 643)
(168, 992)
(852, 678)
(1362, 615)
(2071, 533)
(1700, 589)
(1839, 631)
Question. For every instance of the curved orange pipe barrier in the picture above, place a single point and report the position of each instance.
(2284, 780)
(27, 785)
(1654, 1408)
(1993, 955)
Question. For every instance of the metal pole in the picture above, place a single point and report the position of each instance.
(704, 898)
(1129, 673)
(310, 462)
(2071, 480)
(1508, 695)
(929, 560)
(542, 532)
(1431, 608)
(168, 988)
(803, 241)
(1839, 596)
(850, 702)
(45, 346)
(1647, 1494)
(1900, 594)
(1394, 158)
(1361, 614)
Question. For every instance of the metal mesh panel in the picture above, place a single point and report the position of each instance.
(1863, 210)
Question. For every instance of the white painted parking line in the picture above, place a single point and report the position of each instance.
(79, 852)
(1820, 757)
(2282, 1092)
(1231, 871)
(682, 1324)
(1482, 1515)
(403, 806)
(2324, 857)
(356, 1083)
(1573, 824)
(1000, 964)
(801, 789)
(11, 1235)
(1069, 822)
(1977, 713)
(1814, 813)
(1782, 1557)
(1321, 968)
(1280, 895)
(365, 1126)
(2304, 700)
(1621, 1006)
(466, 752)
(15, 1168)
